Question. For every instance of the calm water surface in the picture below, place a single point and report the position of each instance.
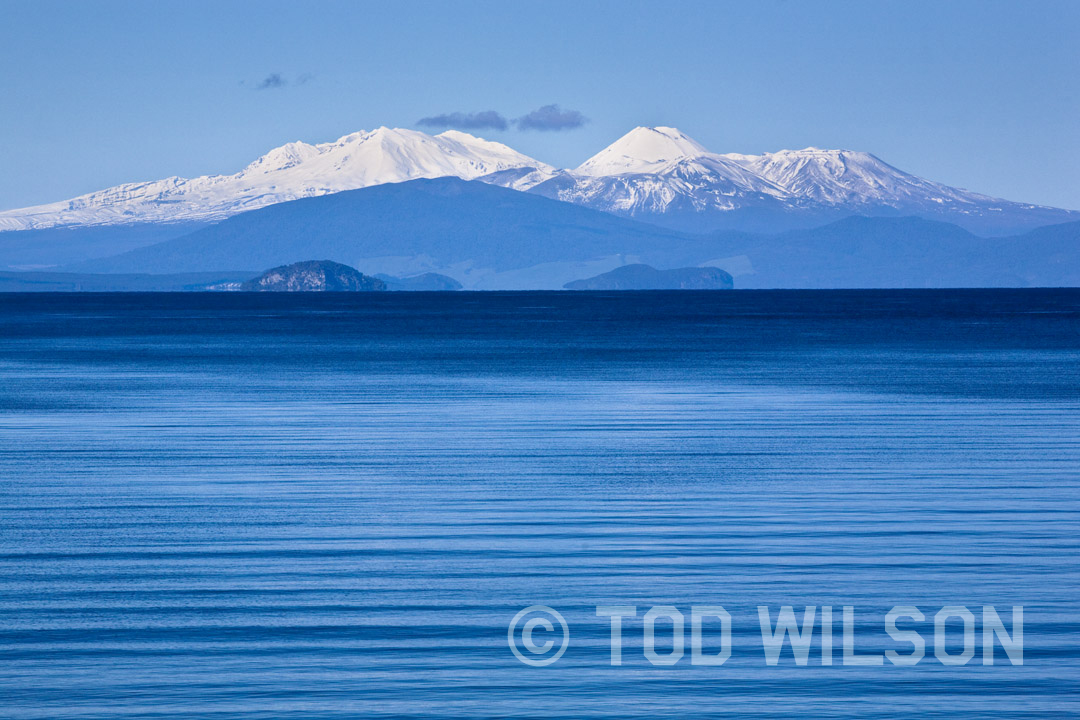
(217, 506)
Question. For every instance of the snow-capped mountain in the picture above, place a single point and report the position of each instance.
(847, 178)
(663, 176)
(642, 150)
(656, 174)
(292, 171)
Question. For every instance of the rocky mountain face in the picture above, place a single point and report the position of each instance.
(313, 276)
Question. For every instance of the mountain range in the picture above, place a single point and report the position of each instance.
(403, 203)
(658, 175)
(664, 177)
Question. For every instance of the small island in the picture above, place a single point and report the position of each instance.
(313, 276)
(425, 282)
(646, 277)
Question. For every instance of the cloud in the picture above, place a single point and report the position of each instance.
(485, 120)
(551, 118)
(272, 81)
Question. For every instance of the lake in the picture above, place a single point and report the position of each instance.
(332, 505)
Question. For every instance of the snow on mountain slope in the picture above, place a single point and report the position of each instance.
(661, 170)
(642, 150)
(292, 171)
(844, 177)
(651, 171)
(662, 175)
(694, 184)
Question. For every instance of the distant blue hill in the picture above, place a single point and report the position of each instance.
(467, 230)
(1052, 255)
(903, 252)
(489, 237)
(424, 282)
(84, 282)
(41, 249)
(644, 277)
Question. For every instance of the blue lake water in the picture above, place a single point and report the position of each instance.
(331, 506)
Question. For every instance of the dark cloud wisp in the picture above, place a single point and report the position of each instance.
(484, 120)
(271, 81)
(551, 118)
(276, 80)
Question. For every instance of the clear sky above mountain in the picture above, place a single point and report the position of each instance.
(983, 95)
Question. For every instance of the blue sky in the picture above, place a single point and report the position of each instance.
(983, 95)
